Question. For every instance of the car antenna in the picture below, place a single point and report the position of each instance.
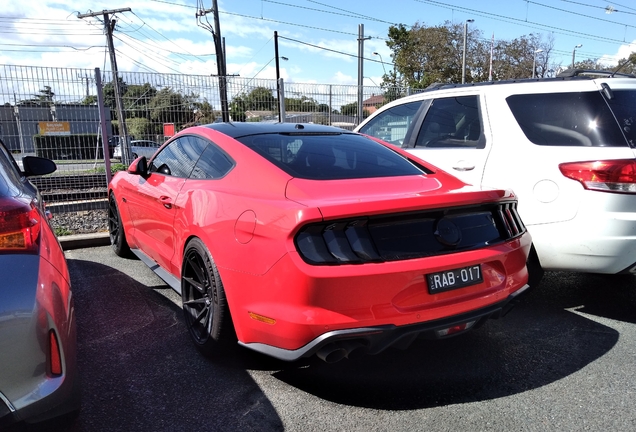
(629, 60)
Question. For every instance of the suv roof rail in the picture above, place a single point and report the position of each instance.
(593, 73)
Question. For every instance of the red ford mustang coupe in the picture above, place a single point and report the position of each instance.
(305, 239)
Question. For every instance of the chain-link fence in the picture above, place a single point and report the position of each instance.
(72, 116)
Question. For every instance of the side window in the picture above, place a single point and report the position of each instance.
(452, 122)
(9, 166)
(178, 158)
(391, 125)
(214, 163)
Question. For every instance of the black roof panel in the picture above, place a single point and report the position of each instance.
(239, 129)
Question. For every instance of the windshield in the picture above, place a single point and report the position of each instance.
(330, 156)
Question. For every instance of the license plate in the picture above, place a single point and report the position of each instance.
(453, 279)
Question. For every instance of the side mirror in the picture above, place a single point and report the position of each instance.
(139, 166)
(36, 166)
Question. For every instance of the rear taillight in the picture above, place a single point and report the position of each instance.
(19, 226)
(606, 176)
(55, 359)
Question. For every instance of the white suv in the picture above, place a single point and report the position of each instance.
(565, 145)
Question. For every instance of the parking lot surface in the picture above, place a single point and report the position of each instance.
(565, 359)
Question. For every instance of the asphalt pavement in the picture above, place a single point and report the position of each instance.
(564, 359)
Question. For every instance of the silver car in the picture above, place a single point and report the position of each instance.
(38, 354)
(138, 148)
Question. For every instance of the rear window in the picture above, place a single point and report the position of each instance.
(330, 156)
(567, 119)
(623, 103)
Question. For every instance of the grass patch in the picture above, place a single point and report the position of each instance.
(113, 168)
(62, 231)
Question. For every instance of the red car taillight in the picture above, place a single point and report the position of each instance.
(606, 176)
(19, 226)
(55, 359)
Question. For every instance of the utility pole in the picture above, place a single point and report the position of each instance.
(109, 26)
(278, 94)
(220, 53)
(361, 40)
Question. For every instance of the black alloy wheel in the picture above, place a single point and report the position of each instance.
(116, 229)
(204, 305)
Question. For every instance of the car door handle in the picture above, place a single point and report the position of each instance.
(166, 201)
(463, 165)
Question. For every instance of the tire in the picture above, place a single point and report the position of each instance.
(116, 229)
(204, 304)
(134, 156)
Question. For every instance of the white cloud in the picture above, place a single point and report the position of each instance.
(341, 78)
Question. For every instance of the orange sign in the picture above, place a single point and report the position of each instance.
(55, 128)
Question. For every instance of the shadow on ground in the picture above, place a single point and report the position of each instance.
(141, 372)
(538, 343)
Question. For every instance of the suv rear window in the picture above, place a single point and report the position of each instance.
(623, 103)
(332, 156)
(567, 119)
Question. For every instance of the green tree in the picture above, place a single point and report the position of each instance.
(426, 55)
(237, 108)
(169, 106)
(302, 104)
(89, 100)
(514, 59)
(42, 99)
(261, 99)
(352, 110)
(627, 65)
(140, 128)
(136, 100)
(204, 112)
(109, 92)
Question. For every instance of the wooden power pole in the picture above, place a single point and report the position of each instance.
(109, 26)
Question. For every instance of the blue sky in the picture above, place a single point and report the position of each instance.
(163, 35)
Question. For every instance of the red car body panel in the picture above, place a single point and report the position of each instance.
(249, 219)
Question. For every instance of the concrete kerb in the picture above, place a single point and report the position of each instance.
(79, 241)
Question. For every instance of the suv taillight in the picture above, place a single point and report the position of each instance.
(19, 226)
(606, 176)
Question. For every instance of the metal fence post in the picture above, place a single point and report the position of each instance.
(102, 123)
(330, 108)
(281, 99)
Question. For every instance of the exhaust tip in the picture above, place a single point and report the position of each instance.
(354, 349)
(331, 353)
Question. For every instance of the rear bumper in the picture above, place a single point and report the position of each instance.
(601, 238)
(373, 340)
(40, 301)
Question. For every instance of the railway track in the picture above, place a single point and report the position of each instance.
(73, 193)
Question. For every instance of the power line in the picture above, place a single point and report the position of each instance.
(529, 24)
(579, 14)
(170, 40)
(348, 14)
(330, 50)
(605, 8)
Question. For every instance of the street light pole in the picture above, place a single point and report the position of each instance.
(574, 53)
(534, 61)
(279, 94)
(381, 61)
(464, 56)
